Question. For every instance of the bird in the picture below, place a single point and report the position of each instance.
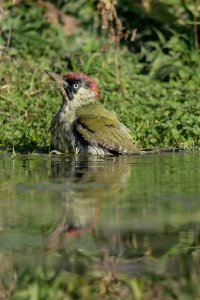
(82, 124)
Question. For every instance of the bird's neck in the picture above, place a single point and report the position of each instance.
(74, 105)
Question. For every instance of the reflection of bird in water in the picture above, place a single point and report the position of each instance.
(89, 179)
(81, 217)
(110, 171)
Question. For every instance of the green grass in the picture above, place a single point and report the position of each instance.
(158, 98)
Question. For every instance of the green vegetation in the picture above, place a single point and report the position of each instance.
(158, 95)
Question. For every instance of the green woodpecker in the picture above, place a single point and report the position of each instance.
(82, 125)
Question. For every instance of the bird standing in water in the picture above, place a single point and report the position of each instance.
(82, 125)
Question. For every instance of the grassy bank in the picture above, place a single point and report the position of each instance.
(158, 95)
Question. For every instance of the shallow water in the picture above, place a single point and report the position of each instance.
(87, 227)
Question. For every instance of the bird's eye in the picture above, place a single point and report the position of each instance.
(75, 86)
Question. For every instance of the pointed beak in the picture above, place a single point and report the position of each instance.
(57, 78)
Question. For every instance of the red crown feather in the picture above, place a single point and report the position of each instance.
(88, 80)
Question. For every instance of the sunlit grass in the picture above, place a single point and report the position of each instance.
(161, 108)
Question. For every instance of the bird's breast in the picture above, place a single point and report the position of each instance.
(62, 132)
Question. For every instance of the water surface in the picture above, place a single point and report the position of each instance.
(100, 228)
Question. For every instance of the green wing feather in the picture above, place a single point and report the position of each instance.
(101, 127)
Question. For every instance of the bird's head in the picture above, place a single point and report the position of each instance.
(76, 89)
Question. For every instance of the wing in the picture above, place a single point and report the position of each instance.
(100, 127)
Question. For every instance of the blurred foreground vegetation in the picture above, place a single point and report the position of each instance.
(158, 93)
